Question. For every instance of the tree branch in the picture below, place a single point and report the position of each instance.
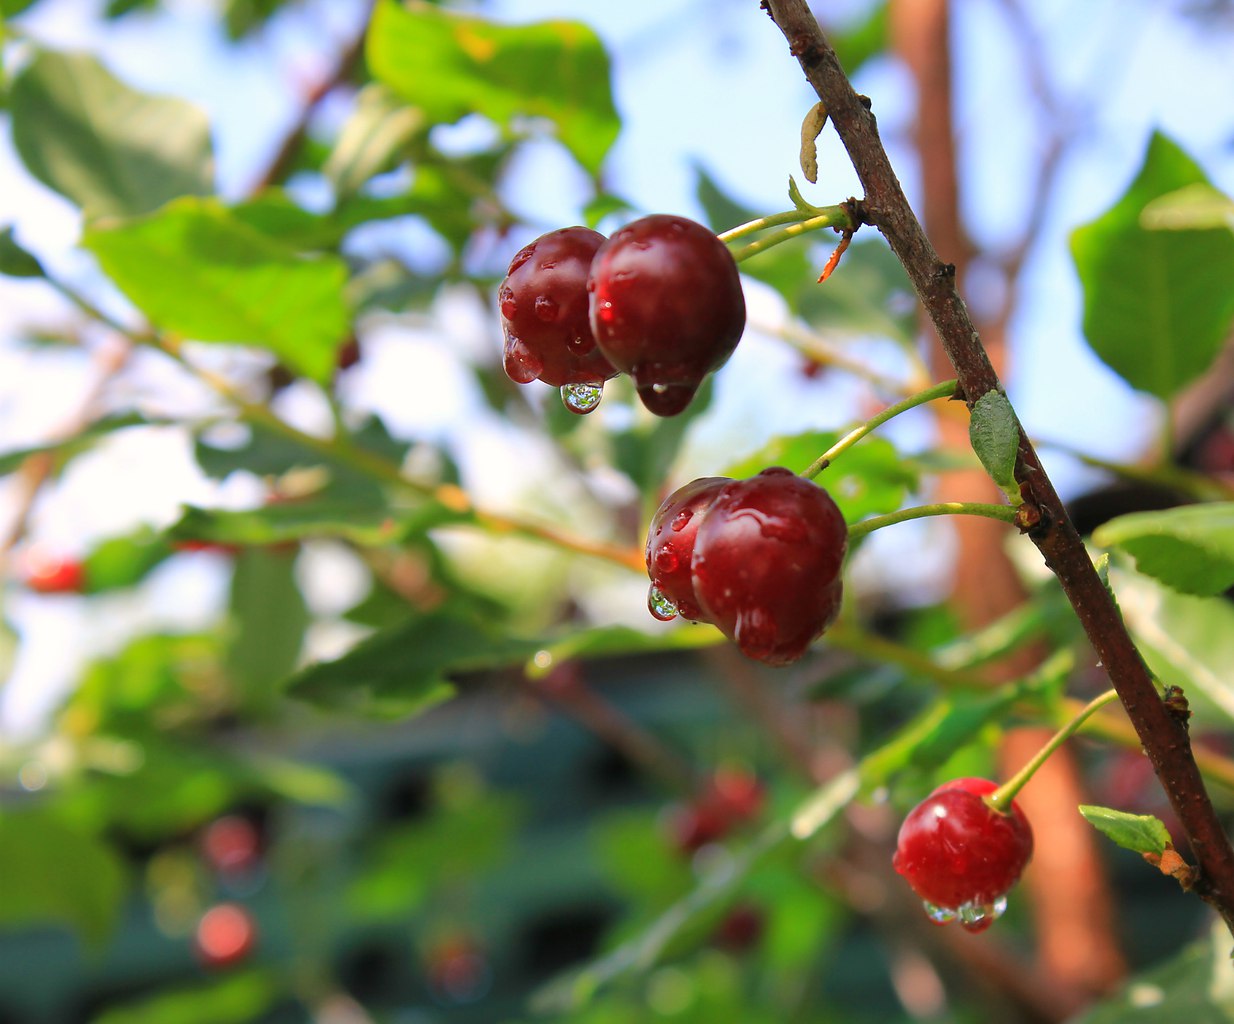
(1163, 735)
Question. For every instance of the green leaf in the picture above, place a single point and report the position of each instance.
(16, 261)
(407, 669)
(1157, 304)
(123, 561)
(1190, 548)
(1140, 833)
(269, 618)
(1197, 986)
(1193, 207)
(58, 874)
(451, 65)
(374, 139)
(870, 478)
(196, 269)
(994, 434)
(112, 150)
(233, 999)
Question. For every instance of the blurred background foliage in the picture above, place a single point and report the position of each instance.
(372, 725)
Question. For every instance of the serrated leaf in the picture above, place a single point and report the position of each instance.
(1140, 833)
(994, 434)
(57, 874)
(16, 261)
(374, 139)
(870, 478)
(449, 65)
(109, 148)
(406, 669)
(197, 270)
(1157, 304)
(1190, 548)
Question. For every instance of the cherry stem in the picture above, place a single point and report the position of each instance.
(1004, 513)
(946, 389)
(839, 217)
(1000, 799)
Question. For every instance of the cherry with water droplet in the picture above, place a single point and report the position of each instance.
(960, 855)
(666, 307)
(543, 304)
(670, 547)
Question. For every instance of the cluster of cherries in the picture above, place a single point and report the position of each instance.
(660, 300)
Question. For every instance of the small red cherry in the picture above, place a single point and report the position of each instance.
(225, 935)
(52, 575)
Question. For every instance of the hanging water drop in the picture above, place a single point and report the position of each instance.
(939, 915)
(581, 398)
(659, 604)
(998, 908)
(975, 917)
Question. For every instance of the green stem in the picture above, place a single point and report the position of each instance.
(828, 217)
(944, 390)
(1005, 513)
(792, 216)
(1001, 798)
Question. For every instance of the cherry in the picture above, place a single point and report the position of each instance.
(670, 548)
(766, 565)
(731, 798)
(960, 855)
(225, 935)
(52, 575)
(666, 307)
(232, 845)
(544, 317)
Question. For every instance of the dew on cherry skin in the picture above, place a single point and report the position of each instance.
(659, 605)
(680, 520)
(521, 364)
(666, 560)
(546, 309)
(581, 398)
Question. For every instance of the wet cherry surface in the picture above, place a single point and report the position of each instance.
(670, 547)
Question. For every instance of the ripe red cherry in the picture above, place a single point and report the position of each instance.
(544, 317)
(225, 935)
(960, 855)
(767, 562)
(670, 548)
(731, 798)
(51, 575)
(666, 307)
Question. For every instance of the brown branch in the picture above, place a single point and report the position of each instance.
(1163, 735)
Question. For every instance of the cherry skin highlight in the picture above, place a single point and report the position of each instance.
(767, 561)
(960, 855)
(666, 307)
(543, 302)
(670, 548)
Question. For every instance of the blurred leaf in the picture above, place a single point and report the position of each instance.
(723, 212)
(12, 8)
(647, 449)
(56, 873)
(995, 436)
(857, 43)
(638, 858)
(373, 140)
(277, 216)
(123, 561)
(1190, 548)
(406, 669)
(1140, 833)
(233, 999)
(869, 478)
(452, 65)
(1197, 986)
(604, 205)
(16, 261)
(110, 149)
(1157, 304)
(1187, 641)
(119, 8)
(268, 620)
(1193, 207)
(231, 283)
(869, 294)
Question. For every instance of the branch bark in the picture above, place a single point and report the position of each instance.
(1163, 735)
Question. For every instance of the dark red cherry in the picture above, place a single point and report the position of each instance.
(960, 855)
(666, 307)
(767, 563)
(670, 548)
(543, 302)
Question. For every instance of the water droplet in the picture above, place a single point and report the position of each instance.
(509, 306)
(581, 398)
(546, 308)
(666, 560)
(998, 908)
(580, 343)
(659, 605)
(680, 520)
(939, 915)
(521, 364)
(975, 917)
(659, 389)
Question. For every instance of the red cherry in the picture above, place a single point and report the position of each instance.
(666, 307)
(767, 561)
(670, 548)
(51, 575)
(225, 935)
(231, 845)
(731, 798)
(960, 855)
(741, 928)
(543, 303)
